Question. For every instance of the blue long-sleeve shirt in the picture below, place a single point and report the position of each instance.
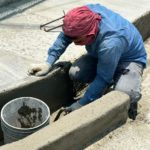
(117, 41)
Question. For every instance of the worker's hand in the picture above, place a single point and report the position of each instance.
(40, 69)
(73, 107)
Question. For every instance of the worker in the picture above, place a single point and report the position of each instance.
(115, 54)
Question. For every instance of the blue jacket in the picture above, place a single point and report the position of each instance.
(117, 41)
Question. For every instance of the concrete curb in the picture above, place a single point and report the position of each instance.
(80, 126)
(41, 88)
(5, 2)
(142, 24)
(15, 7)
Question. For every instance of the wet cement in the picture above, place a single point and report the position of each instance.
(29, 117)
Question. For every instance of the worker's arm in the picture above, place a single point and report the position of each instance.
(108, 59)
(54, 53)
(59, 46)
(109, 55)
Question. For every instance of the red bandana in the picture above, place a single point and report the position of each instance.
(81, 21)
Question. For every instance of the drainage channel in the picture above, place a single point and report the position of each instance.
(80, 126)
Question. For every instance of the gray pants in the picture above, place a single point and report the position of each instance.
(127, 78)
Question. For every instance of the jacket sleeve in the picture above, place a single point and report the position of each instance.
(108, 57)
(57, 49)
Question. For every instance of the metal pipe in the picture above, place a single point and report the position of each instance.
(47, 30)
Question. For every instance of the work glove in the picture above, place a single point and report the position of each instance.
(40, 69)
(73, 107)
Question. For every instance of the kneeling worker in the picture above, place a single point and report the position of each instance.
(115, 52)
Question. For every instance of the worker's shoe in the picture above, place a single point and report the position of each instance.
(40, 69)
(135, 97)
(133, 110)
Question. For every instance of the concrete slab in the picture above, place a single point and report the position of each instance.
(80, 126)
(21, 35)
(13, 69)
(128, 9)
(23, 28)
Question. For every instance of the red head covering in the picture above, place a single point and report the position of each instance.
(81, 21)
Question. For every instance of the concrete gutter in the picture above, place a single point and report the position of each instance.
(80, 126)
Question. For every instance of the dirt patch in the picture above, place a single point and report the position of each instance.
(29, 117)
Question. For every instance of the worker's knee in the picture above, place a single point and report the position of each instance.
(134, 95)
(74, 73)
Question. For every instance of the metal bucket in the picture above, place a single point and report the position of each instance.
(23, 116)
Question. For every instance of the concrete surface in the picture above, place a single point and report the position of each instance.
(23, 28)
(20, 35)
(12, 69)
(80, 126)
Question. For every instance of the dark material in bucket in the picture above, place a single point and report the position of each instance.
(22, 117)
(29, 117)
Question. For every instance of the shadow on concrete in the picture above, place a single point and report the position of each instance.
(17, 7)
